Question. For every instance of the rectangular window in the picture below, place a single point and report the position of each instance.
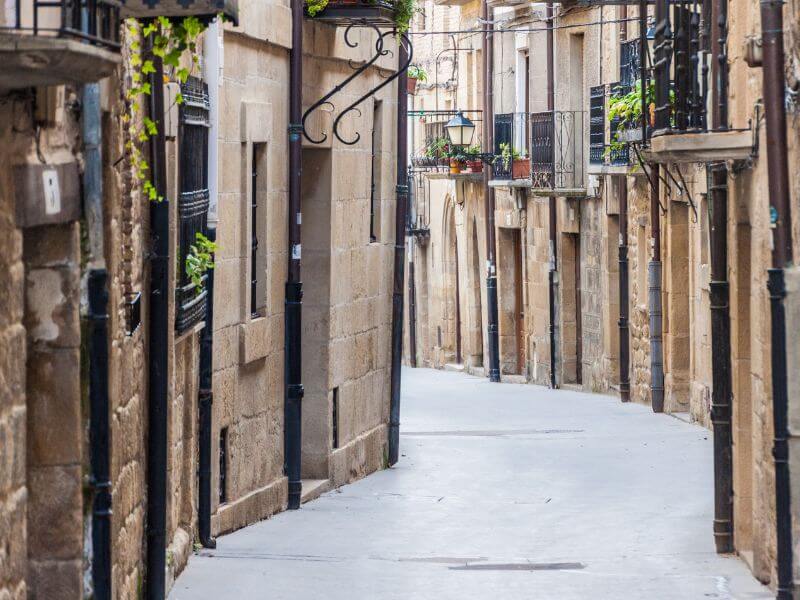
(258, 193)
(375, 177)
(223, 465)
(335, 417)
(193, 198)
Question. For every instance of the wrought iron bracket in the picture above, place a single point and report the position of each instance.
(380, 51)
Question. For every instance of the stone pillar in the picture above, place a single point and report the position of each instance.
(54, 433)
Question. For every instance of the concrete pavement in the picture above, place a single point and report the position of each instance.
(502, 492)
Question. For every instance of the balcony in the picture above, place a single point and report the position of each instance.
(550, 146)
(683, 129)
(557, 153)
(512, 148)
(53, 42)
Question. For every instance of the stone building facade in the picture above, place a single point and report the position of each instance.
(348, 217)
(592, 48)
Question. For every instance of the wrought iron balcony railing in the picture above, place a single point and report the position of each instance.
(609, 138)
(93, 21)
(557, 150)
(511, 144)
(681, 53)
(50, 42)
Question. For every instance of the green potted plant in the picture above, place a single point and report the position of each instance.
(415, 75)
(403, 9)
(457, 161)
(518, 162)
(474, 163)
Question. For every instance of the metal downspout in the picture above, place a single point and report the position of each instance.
(158, 340)
(97, 317)
(294, 286)
(624, 333)
(777, 168)
(654, 300)
(721, 398)
(488, 196)
(552, 274)
(400, 217)
(662, 62)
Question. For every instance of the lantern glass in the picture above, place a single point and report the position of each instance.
(460, 130)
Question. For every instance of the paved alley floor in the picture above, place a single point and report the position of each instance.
(505, 492)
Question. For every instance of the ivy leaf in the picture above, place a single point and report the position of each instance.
(146, 88)
(148, 67)
(151, 126)
(149, 28)
(179, 98)
(183, 74)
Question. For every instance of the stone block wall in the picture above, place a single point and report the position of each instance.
(13, 346)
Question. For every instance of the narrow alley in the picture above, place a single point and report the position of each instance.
(510, 491)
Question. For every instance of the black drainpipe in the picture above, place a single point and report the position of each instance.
(777, 168)
(401, 211)
(624, 335)
(721, 411)
(99, 459)
(412, 305)
(206, 402)
(158, 339)
(488, 196)
(294, 286)
(552, 272)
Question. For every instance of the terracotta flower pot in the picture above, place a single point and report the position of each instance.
(455, 167)
(411, 85)
(521, 168)
(474, 166)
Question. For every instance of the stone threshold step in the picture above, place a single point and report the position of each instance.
(313, 489)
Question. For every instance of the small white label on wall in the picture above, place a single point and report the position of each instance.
(296, 252)
(52, 192)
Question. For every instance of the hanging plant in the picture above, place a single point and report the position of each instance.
(200, 260)
(171, 39)
(404, 11)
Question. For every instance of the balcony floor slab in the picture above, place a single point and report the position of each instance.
(30, 61)
(700, 147)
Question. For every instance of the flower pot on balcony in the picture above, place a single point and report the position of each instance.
(474, 166)
(521, 168)
(455, 166)
(411, 85)
(203, 9)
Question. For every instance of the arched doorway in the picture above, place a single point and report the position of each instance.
(453, 342)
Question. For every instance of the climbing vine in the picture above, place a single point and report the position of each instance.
(170, 39)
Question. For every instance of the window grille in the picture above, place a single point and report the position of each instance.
(193, 197)
(597, 124)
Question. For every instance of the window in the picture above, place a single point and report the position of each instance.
(192, 197)
(223, 465)
(258, 192)
(335, 418)
(375, 177)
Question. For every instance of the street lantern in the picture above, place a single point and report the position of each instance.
(460, 130)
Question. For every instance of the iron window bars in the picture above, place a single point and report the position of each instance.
(681, 51)
(613, 149)
(94, 21)
(511, 131)
(557, 149)
(193, 197)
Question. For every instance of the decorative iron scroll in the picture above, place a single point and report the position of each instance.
(380, 51)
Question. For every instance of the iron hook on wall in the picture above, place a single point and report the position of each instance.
(403, 39)
(379, 51)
